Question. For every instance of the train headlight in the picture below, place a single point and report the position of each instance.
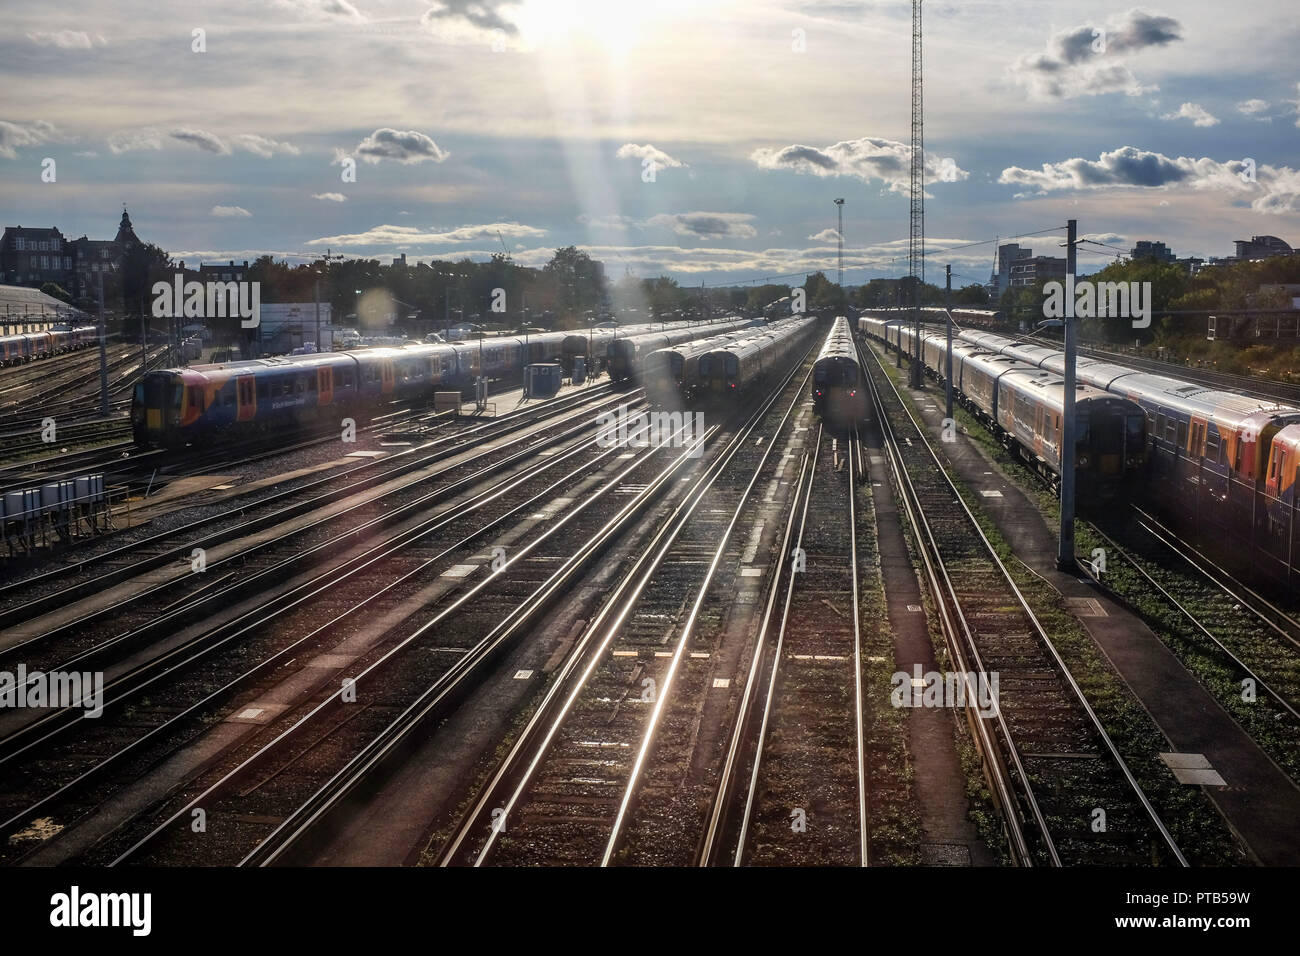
(1083, 461)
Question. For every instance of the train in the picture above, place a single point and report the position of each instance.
(28, 346)
(1224, 463)
(726, 365)
(175, 407)
(1022, 404)
(965, 318)
(283, 395)
(838, 389)
(625, 355)
(595, 343)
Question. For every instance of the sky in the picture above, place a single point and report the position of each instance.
(702, 139)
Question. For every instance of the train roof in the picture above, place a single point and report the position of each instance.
(1201, 401)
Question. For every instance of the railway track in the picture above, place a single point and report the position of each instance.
(1050, 762)
(616, 764)
(1257, 639)
(18, 602)
(262, 804)
(804, 800)
(168, 690)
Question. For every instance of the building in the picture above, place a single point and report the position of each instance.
(285, 326)
(1148, 249)
(1261, 247)
(33, 256)
(218, 272)
(1027, 271)
(1008, 255)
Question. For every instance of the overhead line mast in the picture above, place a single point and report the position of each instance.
(916, 241)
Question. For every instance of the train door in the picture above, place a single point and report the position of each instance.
(246, 398)
(1276, 470)
(386, 376)
(324, 385)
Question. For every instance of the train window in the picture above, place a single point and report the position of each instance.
(1160, 426)
(1212, 447)
(196, 398)
(1182, 434)
(1134, 425)
(261, 390)
(228, 399)
(300, 386)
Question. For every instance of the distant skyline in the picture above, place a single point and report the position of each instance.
(530, 123)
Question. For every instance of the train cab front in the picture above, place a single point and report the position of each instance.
(1110, 449)
(156, 409)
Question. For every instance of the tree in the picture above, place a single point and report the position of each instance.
(579, 281)
(971, 295)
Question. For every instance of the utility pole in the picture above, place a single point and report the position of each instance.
(1065, 554)
(327, 258)
(839, 236)
(947, 371)
(916, 243)
(103, 354)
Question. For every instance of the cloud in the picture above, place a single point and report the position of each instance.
(614, 221)
(231, 212)
(262, 146)
(1195, 112)
(66, 39)
(1251, 107)
(1106, 237)
(707, 225)
(654, 154)
(325, 9)
(388, 235)
(402, 146)
(128, 141)
(1275, 191)
(826, 235)
(866, 159)
(483, 14)
(330, 197)
(204, 140)
(14, 135)
(1084, 60)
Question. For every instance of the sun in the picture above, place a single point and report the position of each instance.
(615, 26)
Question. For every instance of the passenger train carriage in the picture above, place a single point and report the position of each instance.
(626, 354)
(733, 368)
(26, 346)
(1024, 404)
(839, 392)
(680, 376)
(280, 395)
(1224, 462)
(230, 399)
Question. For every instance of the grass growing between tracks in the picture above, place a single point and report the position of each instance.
(1191, 817)
(894, 820)
(1269, 725)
